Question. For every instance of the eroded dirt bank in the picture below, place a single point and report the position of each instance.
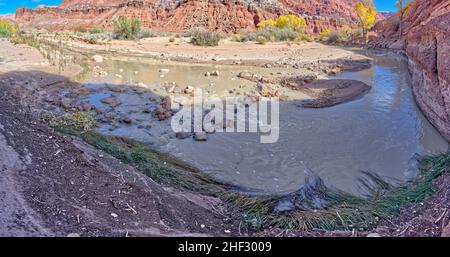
(69, 187)
(56, 185)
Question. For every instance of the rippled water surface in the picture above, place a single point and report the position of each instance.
(379, 133)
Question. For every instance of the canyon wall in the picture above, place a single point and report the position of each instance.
(426, 41)
(427, 44)
(229, 16)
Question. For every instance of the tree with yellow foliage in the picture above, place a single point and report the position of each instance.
(403, 8)
(366, 13)
(7, 29)
(289, 21)
(265, 24)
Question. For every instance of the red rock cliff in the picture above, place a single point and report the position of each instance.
(428, 47)
(229, 16)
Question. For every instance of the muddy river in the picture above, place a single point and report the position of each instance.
(382, 132)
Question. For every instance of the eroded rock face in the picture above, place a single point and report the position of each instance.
(230, 16)
(426, 40)
(428, 46)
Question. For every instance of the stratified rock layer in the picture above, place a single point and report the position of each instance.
(230, 16)
(426, 40)
(428, 46)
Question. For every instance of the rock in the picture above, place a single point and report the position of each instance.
(126, 120)
(164, 70)
(66, 103)
(111, 101)
(146, 110)
(201, 136)
(99, 110)
(373, 235)
(249, 76)
(171, 89)
(189, 90)
(86, 107)
(215, 73)
(446, 231)
(73, 235)
(116, 89)
(207, 74)
(182, 135)
(97, 58)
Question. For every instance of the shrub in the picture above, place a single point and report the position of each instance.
(172, 39)
(95, 30)
(324, 34)
(274, 35)
(145, 33)
(81, 30)
(7, 29)
(21, 38)
(345, 34)
(261, 40)
(127, 29)
(204, 38)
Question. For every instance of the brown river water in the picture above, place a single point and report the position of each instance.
(382, 132)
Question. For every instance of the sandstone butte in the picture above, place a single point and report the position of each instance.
(426, 41)
(229, 16)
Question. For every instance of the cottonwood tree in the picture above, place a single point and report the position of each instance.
(366, 13)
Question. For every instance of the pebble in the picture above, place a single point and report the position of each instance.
(97, 58)
(127, 120)
(182, 135)
(201, 136)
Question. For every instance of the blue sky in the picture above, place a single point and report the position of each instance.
(9, 6)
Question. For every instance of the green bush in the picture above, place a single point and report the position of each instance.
(344, 35)
(145, 33)
(274, 34)
(125, 28)
(261, 40)
(21, 38)
(95, 30)
(7, 29)
(204, 38)
(81, 30)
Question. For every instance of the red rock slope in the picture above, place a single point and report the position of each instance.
(229, 16)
